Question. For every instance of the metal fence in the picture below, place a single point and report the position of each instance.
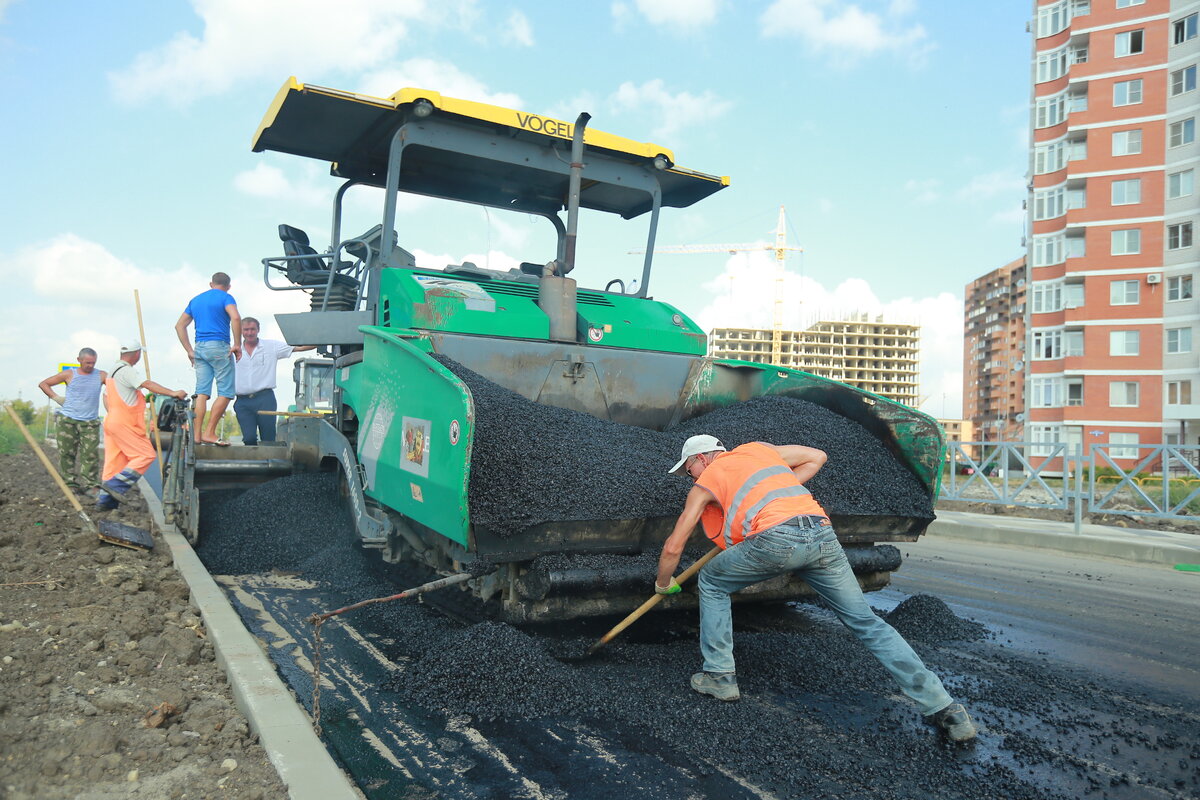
(1159, 481)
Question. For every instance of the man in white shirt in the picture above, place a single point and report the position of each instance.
(255, 382)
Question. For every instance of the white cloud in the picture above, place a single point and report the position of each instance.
(672, 112)
(442, 76)
(518, 30)
(844, 31)
(270, 39)
(87, 291)
(1001, 183)
(677, 14)
(270, 182)
(923, 192)
(4, 4)
(743, 295)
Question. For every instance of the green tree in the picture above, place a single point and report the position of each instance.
(25, 411)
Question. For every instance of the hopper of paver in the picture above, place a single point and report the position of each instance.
(515, 415)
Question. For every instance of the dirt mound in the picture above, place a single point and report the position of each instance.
(92, 638)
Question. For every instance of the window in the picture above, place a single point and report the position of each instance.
(1049, 203)
(1052, 19)
(1127, 143)
(1179, 340)
(1072, 343)
(1123, 393)
(1046, 392)
(1079, 55)
(1128, 3)
(1076, 198)
(1044, 437)
(1048, 250)
(1182, 132)
(1127, 192)
(1181, 184)
(1077, 149)
(1183, 80)
(1124, 343)
(1127, 242)
(1123, 445)
(1179, 287)
(1081, 8)
(1074, 387)
(1072, 295)
(1052, 110)
(1179, 393)
(1179, 236)
(1047, 297)
(1076, 247)
(1185, 29)
(1051, 65)
(1077, 101)
(1127, 93)
(1047, 345)
(1129, 43)
(1049, 157)
(1124, 293)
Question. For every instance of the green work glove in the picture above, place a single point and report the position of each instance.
(674, 588)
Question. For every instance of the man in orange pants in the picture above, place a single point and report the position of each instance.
(127, 449)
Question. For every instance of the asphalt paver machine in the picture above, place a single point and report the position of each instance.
(401, 426)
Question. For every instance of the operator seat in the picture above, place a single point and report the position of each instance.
(312, 272)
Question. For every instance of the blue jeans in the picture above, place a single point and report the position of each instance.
(256, 427)
(214, 361)
(808, 547)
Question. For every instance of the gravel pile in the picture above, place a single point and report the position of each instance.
(280, 524)
(925, 618)
(573, 466)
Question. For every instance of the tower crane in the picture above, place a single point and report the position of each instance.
(780, 248)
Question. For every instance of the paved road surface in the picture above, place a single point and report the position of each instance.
(1126, 621)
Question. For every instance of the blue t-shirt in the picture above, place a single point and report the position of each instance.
(212, 320)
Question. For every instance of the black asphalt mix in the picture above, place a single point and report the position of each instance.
(818, 718)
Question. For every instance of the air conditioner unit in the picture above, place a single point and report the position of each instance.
(1154, 277)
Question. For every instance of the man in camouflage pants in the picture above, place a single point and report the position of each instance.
(78, 426)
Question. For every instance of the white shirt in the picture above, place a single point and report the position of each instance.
(128, 379)
(256, 371)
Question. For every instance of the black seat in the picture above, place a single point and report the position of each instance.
(313, 271)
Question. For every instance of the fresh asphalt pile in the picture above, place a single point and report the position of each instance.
(819, 716)
(925, 618)
(532, 463)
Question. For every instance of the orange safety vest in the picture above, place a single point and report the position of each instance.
(754, 489)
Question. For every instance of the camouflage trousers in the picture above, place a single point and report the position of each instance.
(79, 441)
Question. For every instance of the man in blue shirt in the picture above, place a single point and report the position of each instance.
(215, 353)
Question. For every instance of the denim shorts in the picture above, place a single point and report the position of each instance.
(214, 361)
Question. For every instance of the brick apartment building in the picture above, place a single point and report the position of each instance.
(1113, 315)
(994, 354)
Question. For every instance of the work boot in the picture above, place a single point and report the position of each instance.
(105, 501)
(955, 722)
(119, 484)
(721, 685)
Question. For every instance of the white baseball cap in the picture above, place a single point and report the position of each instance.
(694, 446)
(131, 346)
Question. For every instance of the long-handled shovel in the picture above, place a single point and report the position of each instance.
(109, 531)
(651, 603)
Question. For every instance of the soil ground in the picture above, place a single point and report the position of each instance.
(93, 638)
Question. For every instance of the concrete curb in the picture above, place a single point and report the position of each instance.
(283, 728)
(1125, 544)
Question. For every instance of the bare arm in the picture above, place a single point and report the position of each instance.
(697, 499)
(235, 322)
(181, 327)
(804, 461)
(54, 380)
(302, 349)
(159, 389)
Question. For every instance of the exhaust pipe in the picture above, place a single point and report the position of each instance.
(556, 292)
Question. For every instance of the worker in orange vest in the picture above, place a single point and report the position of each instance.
(752, 504)
(127, 449)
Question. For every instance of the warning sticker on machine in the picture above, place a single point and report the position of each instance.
(474, 297)
(414, 455)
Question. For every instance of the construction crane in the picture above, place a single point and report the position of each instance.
(780, 248)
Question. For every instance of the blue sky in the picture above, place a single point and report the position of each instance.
(893, 131)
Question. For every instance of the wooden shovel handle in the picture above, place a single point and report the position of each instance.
(653, 601)
(45, 461)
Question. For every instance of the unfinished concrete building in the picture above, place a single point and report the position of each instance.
(865, 352)
(994, 353)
